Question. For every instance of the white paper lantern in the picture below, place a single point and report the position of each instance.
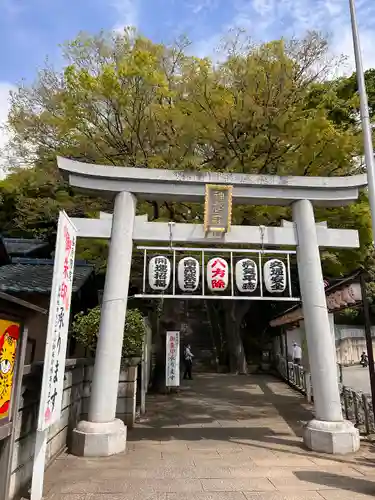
(274, 273)
(339, 298)
(348, 296)
(331, 302)
(355, 291)
(217, 274)
(159, 273)
(246, 273)
(188, 274)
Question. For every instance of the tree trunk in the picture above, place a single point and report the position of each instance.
(167, 318)
(233, 319)
(217, 341)
(158, 371)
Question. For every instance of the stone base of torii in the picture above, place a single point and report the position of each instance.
(102, 434)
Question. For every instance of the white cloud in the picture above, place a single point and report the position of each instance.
(271, 19)
(5, 89)
(127, 12)
(343, 44)
(198, 6)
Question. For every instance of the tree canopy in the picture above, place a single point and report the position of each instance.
(123, 100)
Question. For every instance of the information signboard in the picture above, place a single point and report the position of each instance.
(172, 365)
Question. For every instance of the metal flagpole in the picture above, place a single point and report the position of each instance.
(370, 169)
(365, 116)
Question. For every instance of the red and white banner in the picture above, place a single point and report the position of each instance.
(58, 324)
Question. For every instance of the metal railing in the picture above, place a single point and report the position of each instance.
(294, 374)
(357, 407)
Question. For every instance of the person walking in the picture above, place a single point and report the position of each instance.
(364, 360)
(188, 359)
(296, 354)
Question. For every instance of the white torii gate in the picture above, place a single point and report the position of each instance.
(102, 434)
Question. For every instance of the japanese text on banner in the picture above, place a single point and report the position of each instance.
(173, 359)
(58, 324)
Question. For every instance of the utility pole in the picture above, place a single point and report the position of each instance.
(370, 352)
(370, 170)
(365, 116)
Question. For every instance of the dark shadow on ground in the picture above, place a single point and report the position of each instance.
(209, 401)
(356, 485)
(296, 415)
(367, 462)
(193, 415)
(211, 398)
(229, 434)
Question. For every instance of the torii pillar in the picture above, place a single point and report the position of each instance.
(328, 431)
(103, 434)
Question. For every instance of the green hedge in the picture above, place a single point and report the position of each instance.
(86, 331)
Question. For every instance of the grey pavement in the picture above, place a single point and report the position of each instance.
(357, 378)
(222, 437)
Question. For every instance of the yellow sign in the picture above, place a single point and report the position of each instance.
(9, 338)
(218, 208)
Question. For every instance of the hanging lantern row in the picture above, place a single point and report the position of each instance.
(217, 274)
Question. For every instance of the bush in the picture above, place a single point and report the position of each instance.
(86, 331)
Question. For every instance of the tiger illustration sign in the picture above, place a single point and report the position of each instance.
(9, 337)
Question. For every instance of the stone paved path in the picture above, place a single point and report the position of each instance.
(222, 438)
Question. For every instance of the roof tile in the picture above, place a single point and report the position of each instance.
(21, 246)
(36, 277)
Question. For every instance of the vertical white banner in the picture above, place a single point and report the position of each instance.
(56, 344)
(172, 364)
(58, 324)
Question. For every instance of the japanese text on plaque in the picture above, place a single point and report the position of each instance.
(218, 208)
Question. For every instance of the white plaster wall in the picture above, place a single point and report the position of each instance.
(349, 350)
(349, 342)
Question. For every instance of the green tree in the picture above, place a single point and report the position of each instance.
(113, 104)
(348, 87)
(32, 198)
(252, 113)
(86, 331)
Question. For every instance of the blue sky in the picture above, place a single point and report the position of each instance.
(32, 29)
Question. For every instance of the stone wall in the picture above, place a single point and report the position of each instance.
(126, 401)
(77, 387)
(58, 436)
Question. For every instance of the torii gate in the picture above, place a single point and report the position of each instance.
(102, 434)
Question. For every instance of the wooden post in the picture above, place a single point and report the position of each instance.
(370, 352)
(286, 356)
